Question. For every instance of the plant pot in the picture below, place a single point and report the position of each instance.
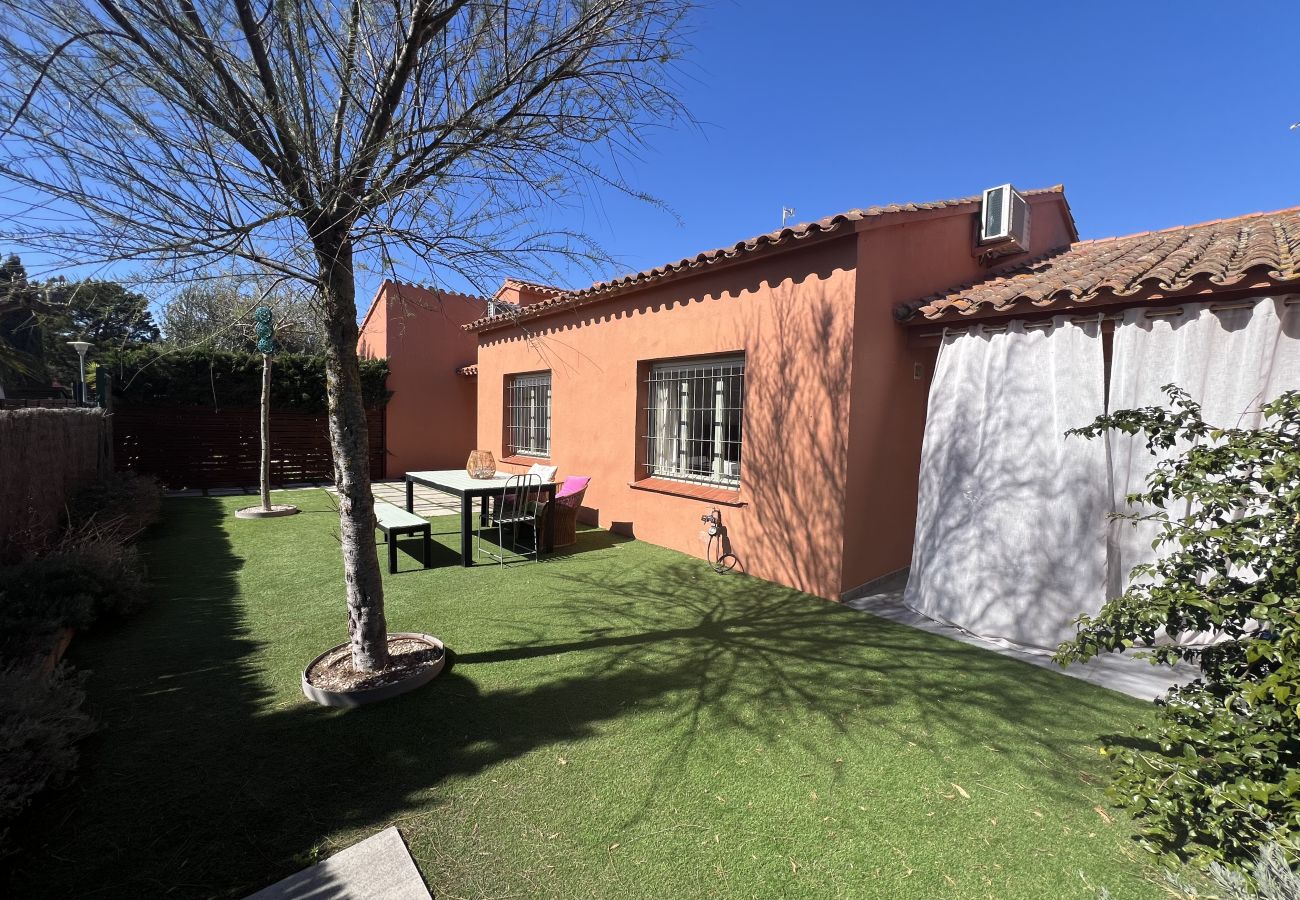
(276, 510)
(393, 684)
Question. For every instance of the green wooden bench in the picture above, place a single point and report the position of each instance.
(394, 521)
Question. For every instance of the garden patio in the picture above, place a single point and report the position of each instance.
(617, 720)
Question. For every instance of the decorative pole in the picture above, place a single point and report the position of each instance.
(265, 329)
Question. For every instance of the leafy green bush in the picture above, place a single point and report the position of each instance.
(1222, 773)
(40, 723)
(152, 376)
(130, 501)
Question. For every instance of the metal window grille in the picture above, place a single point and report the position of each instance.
(528, 411)
(694, 412)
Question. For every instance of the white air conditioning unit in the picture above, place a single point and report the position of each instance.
(1004, 222)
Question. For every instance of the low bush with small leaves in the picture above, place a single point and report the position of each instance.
(90, 573)
(68, 588)
(129, 500)
(40, 723)
(1269, 877)
(1218, 775)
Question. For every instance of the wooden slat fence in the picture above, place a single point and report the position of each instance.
(192, 447)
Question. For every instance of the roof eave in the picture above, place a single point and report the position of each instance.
(1251, 283)
(562, 304)
(765, 245)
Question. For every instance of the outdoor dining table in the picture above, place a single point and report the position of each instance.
(459, 483)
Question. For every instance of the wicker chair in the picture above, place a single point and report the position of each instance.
(567, 502)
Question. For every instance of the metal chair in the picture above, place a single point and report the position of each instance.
(520, 503)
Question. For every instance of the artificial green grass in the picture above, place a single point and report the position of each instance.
(618, 721)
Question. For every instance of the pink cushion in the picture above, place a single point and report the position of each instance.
(572, 490)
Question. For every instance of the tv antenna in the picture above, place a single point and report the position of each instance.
(787, 212)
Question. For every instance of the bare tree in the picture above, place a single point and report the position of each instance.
(305, 137)
(216, 313)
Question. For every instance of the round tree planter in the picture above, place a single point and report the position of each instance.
(276, 510)
(391, 683)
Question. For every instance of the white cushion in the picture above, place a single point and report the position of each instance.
(546, 473)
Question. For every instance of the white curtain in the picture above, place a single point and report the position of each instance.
(1011, 521)
(667, 425)
(1230, 360)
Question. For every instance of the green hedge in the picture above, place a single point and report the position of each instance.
(157, 377)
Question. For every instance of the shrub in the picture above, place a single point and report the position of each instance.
(129, 499)
(40, 723)
(1269, 878)
(69, 588)
(1222, 773)
(153, 376)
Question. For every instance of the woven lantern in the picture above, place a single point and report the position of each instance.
(481, 464)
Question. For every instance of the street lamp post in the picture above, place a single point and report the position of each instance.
(81, 347)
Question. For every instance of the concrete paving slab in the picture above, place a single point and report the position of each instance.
(428, 502)
(1118, 672)
(378, 868)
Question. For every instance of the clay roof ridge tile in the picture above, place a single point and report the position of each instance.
(1225, 251)
(791, 233)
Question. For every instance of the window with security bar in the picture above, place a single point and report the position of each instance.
(694, 411)
(528, 415)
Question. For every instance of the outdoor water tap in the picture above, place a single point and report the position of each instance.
(713, 519)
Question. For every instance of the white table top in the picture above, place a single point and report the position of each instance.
(459, 480)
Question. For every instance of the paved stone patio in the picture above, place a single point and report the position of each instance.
(1125, 674)
(428, 502)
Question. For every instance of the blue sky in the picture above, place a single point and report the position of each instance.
(1151, 113)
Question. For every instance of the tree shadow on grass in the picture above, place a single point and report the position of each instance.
(204, 782)
(738, 644)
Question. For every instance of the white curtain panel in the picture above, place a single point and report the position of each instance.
(1230, 360)
(667, 426)
(1011, 521)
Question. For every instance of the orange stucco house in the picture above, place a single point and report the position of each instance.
(782, 381)
(796, 403)
(429, 421)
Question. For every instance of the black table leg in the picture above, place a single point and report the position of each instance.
(466, 545)
(482, 511)
(410, 494)
(392, 554)
(548, 542)
(428, 548)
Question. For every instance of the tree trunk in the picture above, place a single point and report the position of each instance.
(349, 443)
(266, 431)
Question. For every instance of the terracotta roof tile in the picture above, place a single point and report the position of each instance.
(534, 286)
(782, 236)
(1223, 252)
(468, 370)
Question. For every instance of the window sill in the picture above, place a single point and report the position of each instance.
(525, 460)
(720, 496)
